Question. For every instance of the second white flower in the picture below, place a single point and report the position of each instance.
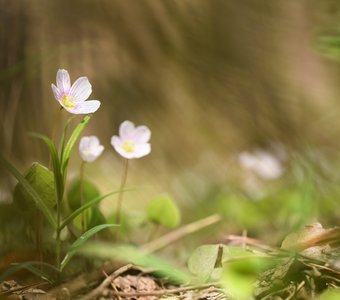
(132, 142)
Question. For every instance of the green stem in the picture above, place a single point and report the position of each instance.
(153, 232)
(81, 188)
(60, 194)
(58, 245)
(122, 185)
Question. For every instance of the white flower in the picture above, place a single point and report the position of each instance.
(132, 141)
(72, 98)
(90, 148)
(263, 163)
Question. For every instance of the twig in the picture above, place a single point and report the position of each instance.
(180, 233)
(249, 241)
(297, 289)
(276, 292)
(82, 281)
(167, 291)
(113, 286)
(99, 290)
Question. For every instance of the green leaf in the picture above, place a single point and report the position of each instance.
(80, 241)
(241, 269)
(86, 206)
(164, 211)
(90, 192)
(42, 180)
(30, 191)
(204, 260)
(59, 182)
(97, 217)
(70, 144)
(137, 257)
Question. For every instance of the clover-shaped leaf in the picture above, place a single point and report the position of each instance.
(163, 211)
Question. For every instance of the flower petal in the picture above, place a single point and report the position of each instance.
(116, 142)
(55, 92)
(142, 134)
(142, 150)
(83, 108)
(81, 89)
(90, 148)
(63, 81)
(127, 130)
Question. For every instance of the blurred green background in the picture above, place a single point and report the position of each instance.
(212, 80)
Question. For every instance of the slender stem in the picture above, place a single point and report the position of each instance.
(58, 245)
(56, 122)
(122, 185)
(81, 188)
(60, 193)
(39, 225)
(153, 232)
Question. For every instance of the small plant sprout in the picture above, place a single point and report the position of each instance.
(132, 142)
(90, 149)
(72, 98)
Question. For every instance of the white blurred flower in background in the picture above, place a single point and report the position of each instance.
(132, 142)
(90, 148)
(263, 163)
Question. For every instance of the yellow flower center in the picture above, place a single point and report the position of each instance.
(128, 147)
(67, 101)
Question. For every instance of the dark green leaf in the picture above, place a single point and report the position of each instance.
(90, 192)
(84, 207)
(59, 182)
(42, 180)
(29, 190)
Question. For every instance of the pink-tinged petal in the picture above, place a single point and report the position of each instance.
(142, 134)
(81, 89)
(116, 142)
(99, 150)
(56, 92)
(127, 130)
(63, 81)
(83, 108)
(142, 150)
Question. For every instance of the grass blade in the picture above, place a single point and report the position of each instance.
(30, 191)
(86, 206)
(62, 140)
(70, 144)
(81, 240)
(28, 265)
(137, 257)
